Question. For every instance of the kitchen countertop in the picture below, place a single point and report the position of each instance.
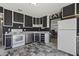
(36, 31)
(26, 32)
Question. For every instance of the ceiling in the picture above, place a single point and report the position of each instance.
(38, 10)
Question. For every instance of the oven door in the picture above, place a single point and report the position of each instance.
(18, 39)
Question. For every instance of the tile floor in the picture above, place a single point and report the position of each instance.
(33, 49)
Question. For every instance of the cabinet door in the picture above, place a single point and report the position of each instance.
(69, 10)
(77, 46)
(16, 25)
(77, 26)
(32, 36)
(8, 41)
(37, 21)
(28, 21)
(36, 37)
(44, 21)
(33, 20)
(7, 17)
(43, 38)
(18, 17)
(1, 9)
(40, 20)
(29, 38)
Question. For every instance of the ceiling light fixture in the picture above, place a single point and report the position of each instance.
(20, 10)
(34, 3)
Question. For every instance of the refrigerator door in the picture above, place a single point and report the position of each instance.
(67, 41)
(67, 24)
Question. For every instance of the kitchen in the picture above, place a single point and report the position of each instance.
(36, 34)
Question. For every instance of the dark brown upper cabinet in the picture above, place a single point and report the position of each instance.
(70, 11)
(1, 9)
(77, 6)
(18, 17)
(37, 20)
(44, 21)
(28, 21)
(77, 25)
(7, 17)
(34, 21)
(40, 20)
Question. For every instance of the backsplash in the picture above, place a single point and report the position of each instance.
(8, 29)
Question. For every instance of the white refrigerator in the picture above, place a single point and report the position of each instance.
(67, 31)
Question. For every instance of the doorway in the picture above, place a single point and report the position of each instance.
(54, 31)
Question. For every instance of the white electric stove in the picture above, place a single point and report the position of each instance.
(18, 38)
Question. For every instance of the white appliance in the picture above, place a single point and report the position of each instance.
(67, 31)
(18, 38)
